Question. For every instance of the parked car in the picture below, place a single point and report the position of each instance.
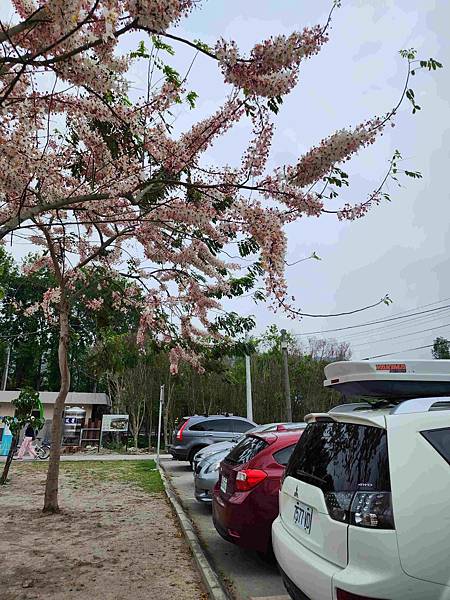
(197, 432)
(245, 499)
(204, 453)
(213, 448)
(364, 506)
(206, 475)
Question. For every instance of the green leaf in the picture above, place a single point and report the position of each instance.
(171, 75)
(191, 97)
(414, 174)
(141, 51)
(160, 45)
(202, 46)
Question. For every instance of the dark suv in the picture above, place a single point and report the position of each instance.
(194, 433)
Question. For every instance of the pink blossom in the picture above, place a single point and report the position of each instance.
(102, 181)
(272, 69)
(94, 304)
(332, 150)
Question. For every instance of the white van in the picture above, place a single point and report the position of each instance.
(365, 503)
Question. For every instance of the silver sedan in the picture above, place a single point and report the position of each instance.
(206, 475)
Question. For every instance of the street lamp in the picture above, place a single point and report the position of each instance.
(287, 387)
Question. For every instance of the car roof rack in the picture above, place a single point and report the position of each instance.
(418, 405)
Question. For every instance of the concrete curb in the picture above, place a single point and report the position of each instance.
(209, 576)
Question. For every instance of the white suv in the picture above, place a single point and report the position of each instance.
(365, 505)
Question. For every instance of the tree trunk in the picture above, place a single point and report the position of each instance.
(12, 449)
(51, 486)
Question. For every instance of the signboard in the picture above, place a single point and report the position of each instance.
(6, 440)
(115, 423)
(71, 420)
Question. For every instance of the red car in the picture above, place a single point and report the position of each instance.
(245, 498)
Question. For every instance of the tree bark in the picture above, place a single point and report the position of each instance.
(51, 485)
(12, 449)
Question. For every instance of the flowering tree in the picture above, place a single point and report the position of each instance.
(97, 179)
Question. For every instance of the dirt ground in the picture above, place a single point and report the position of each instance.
(113, 539)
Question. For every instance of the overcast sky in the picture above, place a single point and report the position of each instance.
(401, 248)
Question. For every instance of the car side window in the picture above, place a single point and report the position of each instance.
(199, 426)
(282, 456)
(220, 425)
(241, 426)
(440, 440)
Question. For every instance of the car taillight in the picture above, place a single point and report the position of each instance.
(338, 504)
(180, 431)
(343, 595)
(247, 479)
(363, 509)
(372, 509)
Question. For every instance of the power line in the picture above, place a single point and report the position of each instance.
(377, 321)
(399, 352)
(396, 328)
(401, 336)
(392, 327)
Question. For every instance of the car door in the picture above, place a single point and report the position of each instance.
(419, 449)
(220, 430)
(331, 462)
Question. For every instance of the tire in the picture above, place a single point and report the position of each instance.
(43, 452)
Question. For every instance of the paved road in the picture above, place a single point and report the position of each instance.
(79, 457)
(248, 576)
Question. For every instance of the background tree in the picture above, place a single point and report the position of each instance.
(441, 348)
(100, 181)
(33, 339)
(221, 387)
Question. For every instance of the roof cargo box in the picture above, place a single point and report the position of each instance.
(400, 379)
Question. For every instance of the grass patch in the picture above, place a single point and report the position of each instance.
(142, 473)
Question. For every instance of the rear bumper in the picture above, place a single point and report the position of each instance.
(294, 592)
(178, 452)
(241, 523)
(374, 569)
(204, 486)
(306, 575)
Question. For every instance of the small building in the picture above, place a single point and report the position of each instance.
(91, 405)
(95, 404)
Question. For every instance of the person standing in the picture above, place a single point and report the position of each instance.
(26, 445)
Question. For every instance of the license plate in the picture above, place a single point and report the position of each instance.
(224, 484)
(303, 516)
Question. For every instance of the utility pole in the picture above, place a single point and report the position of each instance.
(248, 387)
(287, 387)
(161, 404)
(6, 370)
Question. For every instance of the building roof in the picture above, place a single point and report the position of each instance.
(73, 398)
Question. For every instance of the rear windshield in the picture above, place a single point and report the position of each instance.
(245, 450)
(440, 440)
(342, 457)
